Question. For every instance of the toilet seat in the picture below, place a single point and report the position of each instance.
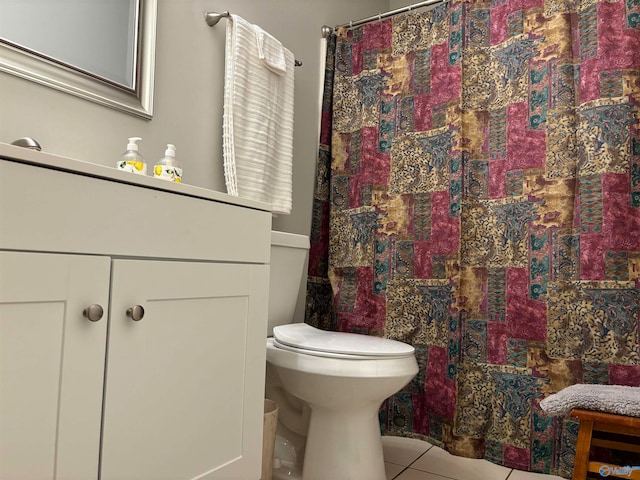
(352, 366)
(305, 339)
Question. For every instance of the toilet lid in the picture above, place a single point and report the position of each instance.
(304, 337)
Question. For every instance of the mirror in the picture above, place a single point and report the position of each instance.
(100, 50)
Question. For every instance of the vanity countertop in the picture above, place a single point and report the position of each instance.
(57, 162)
(77, 207)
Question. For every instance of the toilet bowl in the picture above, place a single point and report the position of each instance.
(329, 387)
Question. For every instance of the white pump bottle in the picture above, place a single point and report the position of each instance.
(168, 168)
(131, 160)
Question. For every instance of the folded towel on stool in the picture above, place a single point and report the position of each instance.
(617, 399)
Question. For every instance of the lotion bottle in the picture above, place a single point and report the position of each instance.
(131, 160)
(168, 168)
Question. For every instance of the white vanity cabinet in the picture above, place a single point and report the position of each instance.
(51, 365)
(177, 401)
(168, 383)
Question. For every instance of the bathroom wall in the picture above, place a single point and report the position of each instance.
(393, 4)
(188, 103)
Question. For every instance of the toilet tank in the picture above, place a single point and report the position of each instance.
(288, 259)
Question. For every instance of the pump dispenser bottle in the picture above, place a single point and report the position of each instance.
(131, 160)
(168, 168)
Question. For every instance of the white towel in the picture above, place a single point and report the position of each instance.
(258, 116)
(270, 51)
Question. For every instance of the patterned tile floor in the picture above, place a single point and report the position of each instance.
(410, 459)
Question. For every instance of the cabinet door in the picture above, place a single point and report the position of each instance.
(51, 365)
(184, 385)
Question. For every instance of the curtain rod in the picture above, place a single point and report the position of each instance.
(380, 16)
(212, 19)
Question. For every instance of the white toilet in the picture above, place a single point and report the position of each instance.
(328, 385)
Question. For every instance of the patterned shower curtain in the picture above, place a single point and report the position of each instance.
(478, 196)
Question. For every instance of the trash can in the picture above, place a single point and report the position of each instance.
(270, 422)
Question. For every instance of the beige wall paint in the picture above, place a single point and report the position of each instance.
(394, 4)
(188, 102)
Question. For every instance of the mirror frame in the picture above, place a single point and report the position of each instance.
(40, 69)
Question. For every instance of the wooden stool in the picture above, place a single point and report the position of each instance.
(629, 441)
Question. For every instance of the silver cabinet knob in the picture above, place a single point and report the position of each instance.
(135, 313)
(93, 312)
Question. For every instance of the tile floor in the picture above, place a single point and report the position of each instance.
(410, 459)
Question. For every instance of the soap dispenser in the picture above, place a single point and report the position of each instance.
(131, 160)
(168, 168)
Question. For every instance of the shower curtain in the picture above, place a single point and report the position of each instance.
(478, 196)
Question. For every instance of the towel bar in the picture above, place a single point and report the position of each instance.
(212, 19)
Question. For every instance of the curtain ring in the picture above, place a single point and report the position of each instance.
(410, 6)
(379, 17)
(350, 24)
